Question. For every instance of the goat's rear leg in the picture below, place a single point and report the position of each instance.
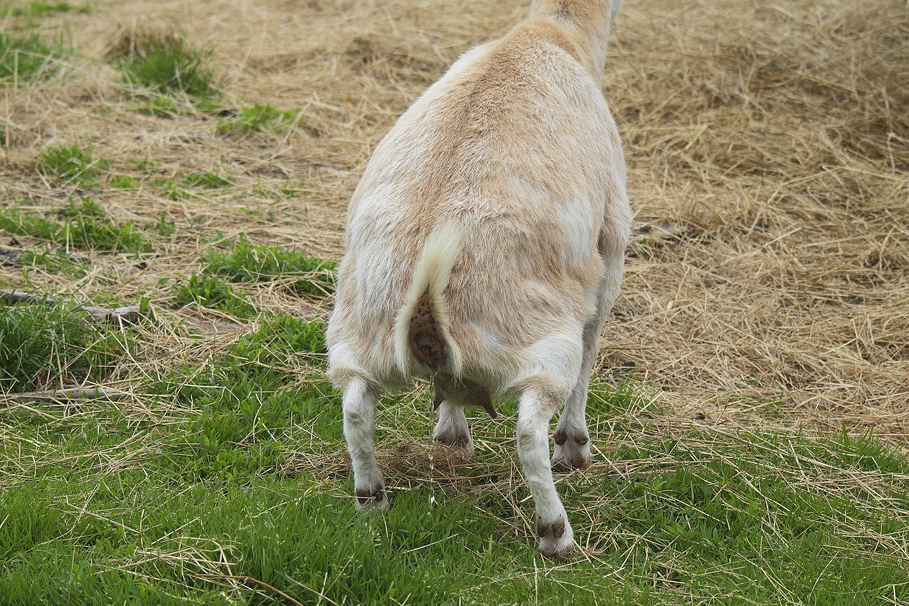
(451, 428)
(572, 438)
(450, 400)
(359, 404)
(553, 529)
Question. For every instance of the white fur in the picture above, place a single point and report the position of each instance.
(502, 192)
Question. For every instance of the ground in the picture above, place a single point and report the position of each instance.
(765, 290)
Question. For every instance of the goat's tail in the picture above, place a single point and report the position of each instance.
(422, 324)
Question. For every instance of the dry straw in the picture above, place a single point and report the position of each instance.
(771, 139)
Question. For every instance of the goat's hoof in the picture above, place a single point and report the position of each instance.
(576, 462)
(556, 539)
(571, 452)
(453, 438)
(372, 501)
(580, 438)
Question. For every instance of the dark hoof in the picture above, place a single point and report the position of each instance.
(561, 555)
(561, 437)
(450, 438)
(552, 543)
(576, 462)
(371, 500)
(572, 451)
(556, 529)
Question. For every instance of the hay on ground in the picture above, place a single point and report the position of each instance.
(773, 140)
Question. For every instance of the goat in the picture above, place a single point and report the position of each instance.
(486, 244)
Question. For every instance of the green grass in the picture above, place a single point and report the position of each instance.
(166, 63)
(123, 182)
(147, 165)
(84, 226)
(258, 118)
(259, 263)
(180, 187)
(213, 293)
(161, 107)
(172, 188)
(231, 484)
(26, 57)
(35, 8)
(164, 227)
(206, 180)
(45, 346)
(54, 262)
(244, 401)
(72, 164)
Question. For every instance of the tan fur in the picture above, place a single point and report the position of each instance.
(485, 242)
